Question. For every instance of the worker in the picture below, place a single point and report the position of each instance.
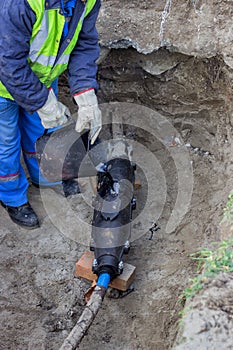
(40, 39)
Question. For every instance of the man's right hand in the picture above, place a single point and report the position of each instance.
(53, 113)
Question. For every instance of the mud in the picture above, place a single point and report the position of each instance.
(40, 298)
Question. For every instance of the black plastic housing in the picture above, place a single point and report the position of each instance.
(111, 226)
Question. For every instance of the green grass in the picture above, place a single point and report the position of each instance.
(212, 262)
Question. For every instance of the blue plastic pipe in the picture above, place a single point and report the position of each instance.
(103, 280)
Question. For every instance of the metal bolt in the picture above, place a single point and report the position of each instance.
(95, 263)
(133, 203)
(121, 265)
(127, 245)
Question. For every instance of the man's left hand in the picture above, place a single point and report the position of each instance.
(89, 114)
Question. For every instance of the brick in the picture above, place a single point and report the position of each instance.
(84, 269)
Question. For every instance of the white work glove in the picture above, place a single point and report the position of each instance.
(89, 114)
(53, 113)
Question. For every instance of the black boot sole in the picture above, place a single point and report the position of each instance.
(27, 227)
(18, 222)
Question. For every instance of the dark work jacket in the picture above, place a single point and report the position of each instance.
(16, 22)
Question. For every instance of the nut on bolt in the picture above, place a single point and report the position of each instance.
(120, 267)
(133, 203)
(95, 266)
(95, 263)
(126, 247)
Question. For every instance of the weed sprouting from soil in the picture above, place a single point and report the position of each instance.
(210, 264)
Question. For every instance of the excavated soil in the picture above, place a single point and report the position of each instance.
(208, 322)
(40, 298)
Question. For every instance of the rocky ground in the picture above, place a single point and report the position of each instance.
(40, 298)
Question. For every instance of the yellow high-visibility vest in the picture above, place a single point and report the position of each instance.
(46, 40)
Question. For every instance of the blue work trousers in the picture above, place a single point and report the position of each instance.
(19, 130)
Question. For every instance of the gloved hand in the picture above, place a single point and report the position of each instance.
(89, 114)
(53, 113)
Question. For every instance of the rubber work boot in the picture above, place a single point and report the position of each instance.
(70, 187)
(23, 215)
(67, 188)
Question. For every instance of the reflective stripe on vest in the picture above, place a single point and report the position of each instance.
(45, 42)
(38, 42)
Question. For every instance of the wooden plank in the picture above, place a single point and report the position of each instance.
(84, 269)
(137, 184)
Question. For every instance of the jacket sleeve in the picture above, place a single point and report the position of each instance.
(17, 19)
(82, 66)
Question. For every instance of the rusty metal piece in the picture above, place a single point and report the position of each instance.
(88, 294)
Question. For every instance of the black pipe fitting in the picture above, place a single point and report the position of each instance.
(111, 226)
